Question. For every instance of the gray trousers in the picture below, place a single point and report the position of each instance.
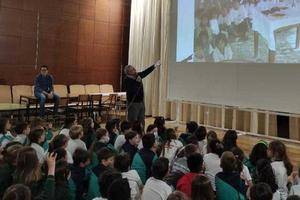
(136, 112)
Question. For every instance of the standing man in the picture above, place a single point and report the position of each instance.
(135, 92)
(43, 89)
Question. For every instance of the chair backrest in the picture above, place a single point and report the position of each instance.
(92, 88)
(106, 88)
(18, 90)
(5, 94)
(61, 90)
(77, 89)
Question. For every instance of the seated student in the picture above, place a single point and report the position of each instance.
(69, 122)
(212, 161)
(264, 174)
(200, 134)
(171, 145)
(62, 174)
(195, 164)
(37, 138)
(155, 188)
(130, 146)
(111, 127)
(84, 180)
(22, 130)
(105, 181)
(102, 139)
(190, 129)
(120, 140)
(122, 164)
(243, 169)
(16, 192)
(5, 134)
(151, 129)
(119, 189)
(8, 166)
(106, 161)
(143, 159)
(61, 141)
(211, 135)
(222, 51)
(159, 122)
(201, 188)
(75, 142)
(28, 172)
(88, 131)
(229, 185)
(229, 140)
(177, 195)
(261, 191)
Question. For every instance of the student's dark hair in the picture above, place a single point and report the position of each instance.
(119, 189)
(104, 154)
(293, 197)
(177, 195)
(195, 162)
(17, 192)
(240, 156)
(211, 135)
(228, 162)
(259, 151)
(3, 122)
(261, 191)
(160, 168)
(264, 174)
(10, 152)
(216, 147)
(190, 149)
(130, 134)
(192, 140)
(229, 140)
(110, 125)
(191, 126)
(80, 156)
(170, 135)
(148, 141)
(57, 142)
(106, 179)
(35, 135)
(150, 128)
(43, 66)
(62, 172)
(100, 132)
(125, 126)
(159, 122)
(200, 133)
(122, 162)
(37, 122)
(202, 189)
(61, 153)
(278, 150)
(20, 127)
(137, 127)
(69, 121)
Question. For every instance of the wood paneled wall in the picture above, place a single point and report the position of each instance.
(82, 41)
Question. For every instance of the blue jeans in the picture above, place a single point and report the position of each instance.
(42, 99)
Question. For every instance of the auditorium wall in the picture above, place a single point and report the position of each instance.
(82, 41)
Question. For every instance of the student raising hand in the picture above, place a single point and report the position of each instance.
(51, 163)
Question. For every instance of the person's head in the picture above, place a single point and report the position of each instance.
(190, 149)
(264, 173)
(125, 126)
(111, 126)
(261, 191)
(122, 162)
(37, 123)
(119, 189)
(195, 163)
(129, 70)
(81, 158)
(159, 122)
(160, 168)
(177, 195)
(202, 189)
(22, 128)
(102, 135)
(229, 139)
(87, 124)
(37, 136)
(200, 133)
(106, 157)
(137, 127)
(61, 154)
(5, 125)
(151, 129)
(148, 141)
(106, 179)
(17, 192)
(277, 151)
(191, 127)
(59, 141)
(170, 134)
(76, 132)
(293, 197)
(44, 70)
(62, 171)
(69, 122)
(216, 147)
(27, 166)
(240, 156)
(211, 135)
(228, 162)
(10, 153)
(132, 137)
(259, 151)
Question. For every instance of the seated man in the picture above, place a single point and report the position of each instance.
(43, 89)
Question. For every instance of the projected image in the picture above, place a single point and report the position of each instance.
(242, 31)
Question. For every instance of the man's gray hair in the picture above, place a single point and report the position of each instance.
(126, 69)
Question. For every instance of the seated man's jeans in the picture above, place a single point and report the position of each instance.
(42, 99)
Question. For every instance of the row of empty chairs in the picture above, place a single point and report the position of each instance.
(11, 94)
